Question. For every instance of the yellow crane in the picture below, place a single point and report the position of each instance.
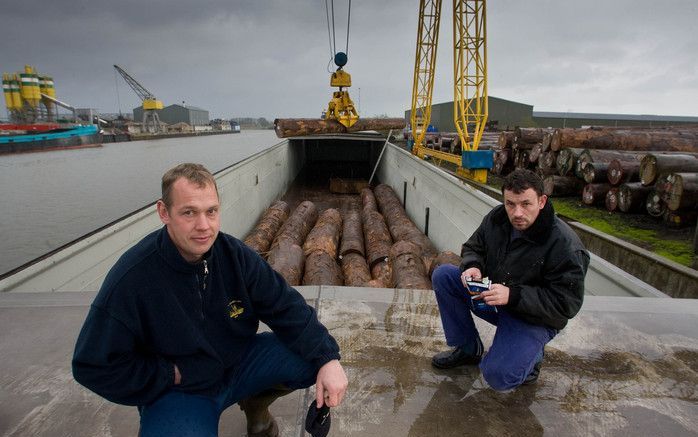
(151, 120)
(469, 88)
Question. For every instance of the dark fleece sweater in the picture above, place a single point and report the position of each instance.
(155, 310)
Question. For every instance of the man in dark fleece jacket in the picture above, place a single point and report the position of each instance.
(536, 267)
(173, 329)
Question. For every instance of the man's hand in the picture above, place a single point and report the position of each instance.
(471, 274)
(498, 294)
(331, 384)
(178, 376)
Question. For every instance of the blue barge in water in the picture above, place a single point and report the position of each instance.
(64, 138)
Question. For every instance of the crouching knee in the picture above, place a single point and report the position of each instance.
(445, 276)
(501, 377)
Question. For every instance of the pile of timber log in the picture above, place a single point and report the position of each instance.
(624, 169)
(378, 246)
(523, 148)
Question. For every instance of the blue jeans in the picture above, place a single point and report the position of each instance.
(517, 345)
(268, 363)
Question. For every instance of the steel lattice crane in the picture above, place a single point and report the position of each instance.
(469, 88)
(151, 120)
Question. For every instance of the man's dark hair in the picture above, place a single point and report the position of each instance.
(521, 180)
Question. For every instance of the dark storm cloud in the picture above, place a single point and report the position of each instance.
(270, 58)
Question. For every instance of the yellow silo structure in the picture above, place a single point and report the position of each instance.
(16, 94)
(29, 87)
(7, 91)
(46, 88)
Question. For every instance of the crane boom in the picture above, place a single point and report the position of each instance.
(151, 120)
(143, 93)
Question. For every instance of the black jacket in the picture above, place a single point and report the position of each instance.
(544, 268)
(155, 310)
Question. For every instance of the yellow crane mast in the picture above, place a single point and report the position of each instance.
(469, 88)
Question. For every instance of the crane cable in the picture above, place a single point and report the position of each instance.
(331, 31)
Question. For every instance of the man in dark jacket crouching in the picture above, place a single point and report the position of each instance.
(173, 329)
(536, 267)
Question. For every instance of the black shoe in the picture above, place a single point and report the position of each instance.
(535, 373)
(457, 357)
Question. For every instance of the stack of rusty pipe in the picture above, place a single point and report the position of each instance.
(400, 225)
(378, 241)
(321, 248)
(352, 253)
(305, 249)
(286, 255)
(263, 234)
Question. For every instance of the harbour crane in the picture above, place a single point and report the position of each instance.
(469, 89)
(151, 120)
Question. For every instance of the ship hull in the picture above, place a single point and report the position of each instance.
(58, 139)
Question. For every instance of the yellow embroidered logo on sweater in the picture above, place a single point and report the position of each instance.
(234, 310)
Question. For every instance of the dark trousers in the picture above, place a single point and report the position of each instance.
(517, 345)
(268, 363)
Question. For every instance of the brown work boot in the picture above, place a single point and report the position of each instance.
(260, 422)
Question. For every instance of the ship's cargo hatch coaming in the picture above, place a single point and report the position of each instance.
(327, 158)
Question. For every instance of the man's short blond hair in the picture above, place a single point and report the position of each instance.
(194, 173)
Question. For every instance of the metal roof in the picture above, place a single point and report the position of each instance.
(633, 117)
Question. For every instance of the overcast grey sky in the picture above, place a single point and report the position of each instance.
(269, 58)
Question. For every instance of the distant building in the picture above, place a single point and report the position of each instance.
(173, 114)
(504, 114)
(507, 115)
(578, 119)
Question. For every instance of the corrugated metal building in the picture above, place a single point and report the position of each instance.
(173, 114)
(578, 119)
(505, 114)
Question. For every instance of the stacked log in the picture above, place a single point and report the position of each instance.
(611, 200)
(306, 247)
(288, 260)
(623, 171)
(530, 136)
(352, 253)
(322, 269)
(320, 249)
(446, 257)
(299, 223)
(558, 186)
(595, 194)
(606, 162)
(667, 139)
(377, 241)
(352, 235)
(400, 225)
(504, 154)
(652, 165)
(294, 127)
(566, 161)
(654, 204)
(286, 255)
(263, 234)
(408, 269)
(680, 192)
(355, 270)
(631, 197)
(325, 234)
(595, 172)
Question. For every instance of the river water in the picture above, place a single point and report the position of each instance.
(51, 198)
